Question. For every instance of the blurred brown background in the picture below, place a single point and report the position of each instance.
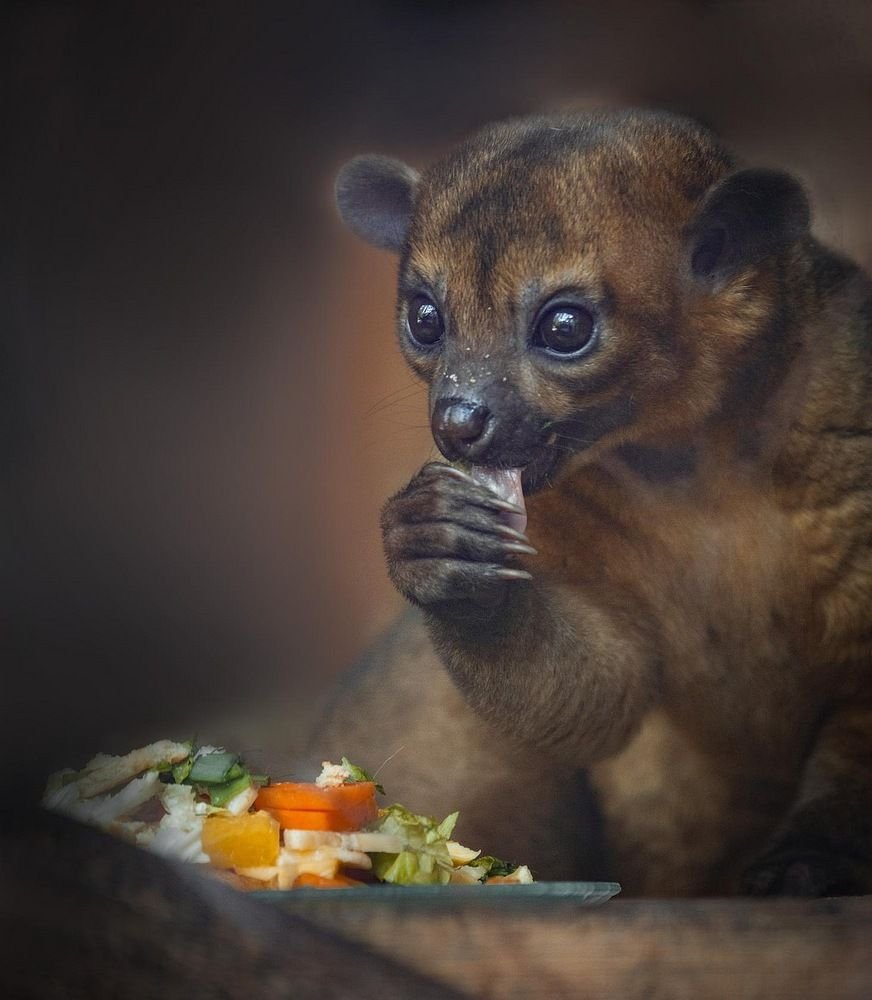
(203, 405)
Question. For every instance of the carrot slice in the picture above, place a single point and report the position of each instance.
(309, 881)
(307, 795)
(310, 819)
(304, 806)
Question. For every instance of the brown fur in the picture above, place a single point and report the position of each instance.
(697, 631)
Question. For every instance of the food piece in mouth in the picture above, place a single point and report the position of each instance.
(506, 483)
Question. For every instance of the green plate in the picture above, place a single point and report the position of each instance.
(448, 896)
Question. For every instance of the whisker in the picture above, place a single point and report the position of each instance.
(407, 427)
(387, 405)
(409, 389)
(575, 440)
(387, 761)
(405, 385)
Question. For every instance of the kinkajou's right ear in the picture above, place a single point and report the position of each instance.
(375, 196)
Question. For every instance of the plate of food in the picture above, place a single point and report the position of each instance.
(289, 841)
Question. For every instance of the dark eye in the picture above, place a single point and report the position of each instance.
(565, 330)
(425, 323)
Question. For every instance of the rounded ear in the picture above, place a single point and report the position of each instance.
(744, 219)
(375, 195)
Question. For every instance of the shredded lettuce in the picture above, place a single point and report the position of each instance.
(179, 834)
(425, 859)
(166, 768)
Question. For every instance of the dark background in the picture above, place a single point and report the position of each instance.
(203, 408)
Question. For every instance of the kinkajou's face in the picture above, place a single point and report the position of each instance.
(564, 288)
(539, 296)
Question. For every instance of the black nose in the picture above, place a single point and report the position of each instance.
(460, 427)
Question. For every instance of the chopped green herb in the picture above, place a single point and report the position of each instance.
(235, 772)
(220, 795)
(358, 774)
(490, 865)
(181, 770)
(213, 768)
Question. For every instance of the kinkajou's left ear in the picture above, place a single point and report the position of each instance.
(375, 196)
(745, 218)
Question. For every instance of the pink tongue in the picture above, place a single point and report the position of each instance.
(506, 483)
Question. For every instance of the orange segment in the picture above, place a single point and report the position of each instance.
(247, 841)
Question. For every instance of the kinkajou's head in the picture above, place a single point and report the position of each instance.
(570, 283)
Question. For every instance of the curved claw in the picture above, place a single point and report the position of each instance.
(504, 573)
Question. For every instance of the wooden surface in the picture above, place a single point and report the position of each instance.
(629, 948)
(84, 915)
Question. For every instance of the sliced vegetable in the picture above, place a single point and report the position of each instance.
(262, 873)
(491, 867)
(412, 868)
(417, 830)
(520, 876)
(302, 834)
(213, 768)
(425, 859)
(372, 843)
(174, 763)
(103, 772)
(313, 819)
(465, 875)
(179, 834)
(247, 841)
(307, 795)
(461, 855)
(304, 806)
(296, 839)
(214, 772)
(309, 881)
(181, 771)
(220, 795)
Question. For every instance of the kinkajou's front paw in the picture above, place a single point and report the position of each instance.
(806, 873)
(447, 541)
